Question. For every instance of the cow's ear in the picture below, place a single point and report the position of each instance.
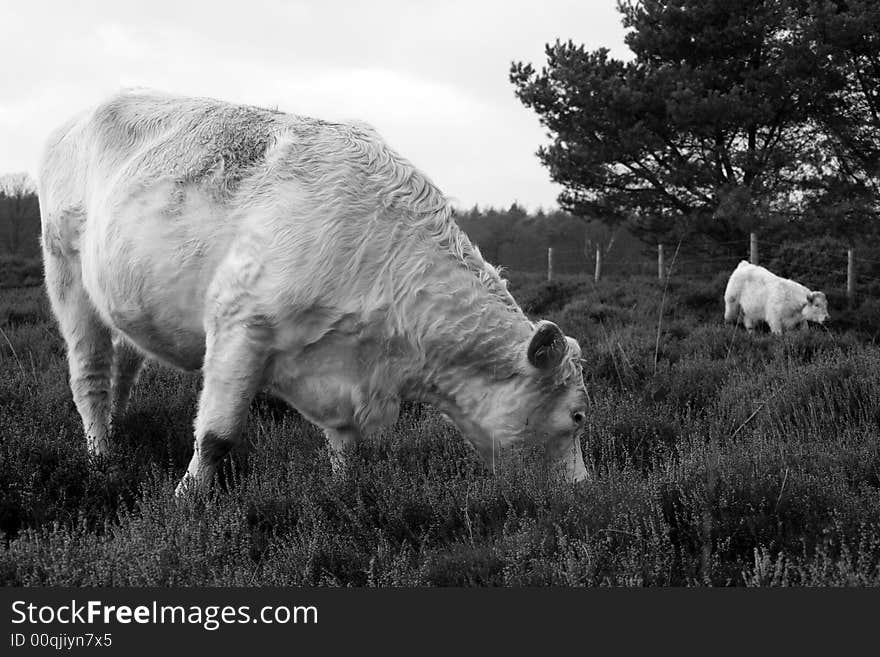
(811, 297)
(547, 346)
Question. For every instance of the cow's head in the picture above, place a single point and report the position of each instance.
(816, 308)
(559, 404)
(541, 401)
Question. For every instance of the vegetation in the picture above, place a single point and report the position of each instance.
(519, 240)
(16, 271)
(731, 115)
(718, 458)
(19, 216)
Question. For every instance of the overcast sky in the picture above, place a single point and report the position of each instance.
(432, 77)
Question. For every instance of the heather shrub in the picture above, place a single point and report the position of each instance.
(716, 458)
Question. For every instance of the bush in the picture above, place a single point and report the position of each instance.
(706, 298)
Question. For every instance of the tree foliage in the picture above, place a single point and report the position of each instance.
(732, 113)
(844, 39)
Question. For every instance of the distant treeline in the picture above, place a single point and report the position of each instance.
(512, 238)
(519, 240)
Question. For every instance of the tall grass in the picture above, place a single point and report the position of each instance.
(736, 460)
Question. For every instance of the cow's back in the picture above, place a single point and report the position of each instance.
(138, 197)
(749, 288)
(744, 277)
(160, 191)
(135, 137)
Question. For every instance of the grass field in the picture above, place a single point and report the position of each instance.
(718, 458)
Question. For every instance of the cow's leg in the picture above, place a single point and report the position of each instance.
(775, 324)
(340, 441)
(127, 363)
(749, 323)
(233, 370)
(89, 348)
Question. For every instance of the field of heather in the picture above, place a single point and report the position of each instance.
(718, 458)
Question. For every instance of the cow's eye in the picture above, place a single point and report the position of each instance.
(578, 417)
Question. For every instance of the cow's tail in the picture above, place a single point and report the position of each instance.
(731, 299)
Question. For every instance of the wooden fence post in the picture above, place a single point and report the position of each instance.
(850, 276)
(661, 264)
(753, 248)
(598, 273)
(550, 263)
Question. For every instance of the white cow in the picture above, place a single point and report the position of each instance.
(282, 252)
(760, 295)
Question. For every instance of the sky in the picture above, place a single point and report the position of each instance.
(431, 77)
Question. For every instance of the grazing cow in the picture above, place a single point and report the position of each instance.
(763, 296)
(288, 253)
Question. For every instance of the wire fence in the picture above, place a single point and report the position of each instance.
(819, 266)
(827, 267)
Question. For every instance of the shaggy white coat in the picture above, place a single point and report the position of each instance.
(282, 252)
(758, 295)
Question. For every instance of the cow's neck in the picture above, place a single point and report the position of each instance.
(471, 342)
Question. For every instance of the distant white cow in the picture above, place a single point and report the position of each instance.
(760, 295)
(282, 252)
